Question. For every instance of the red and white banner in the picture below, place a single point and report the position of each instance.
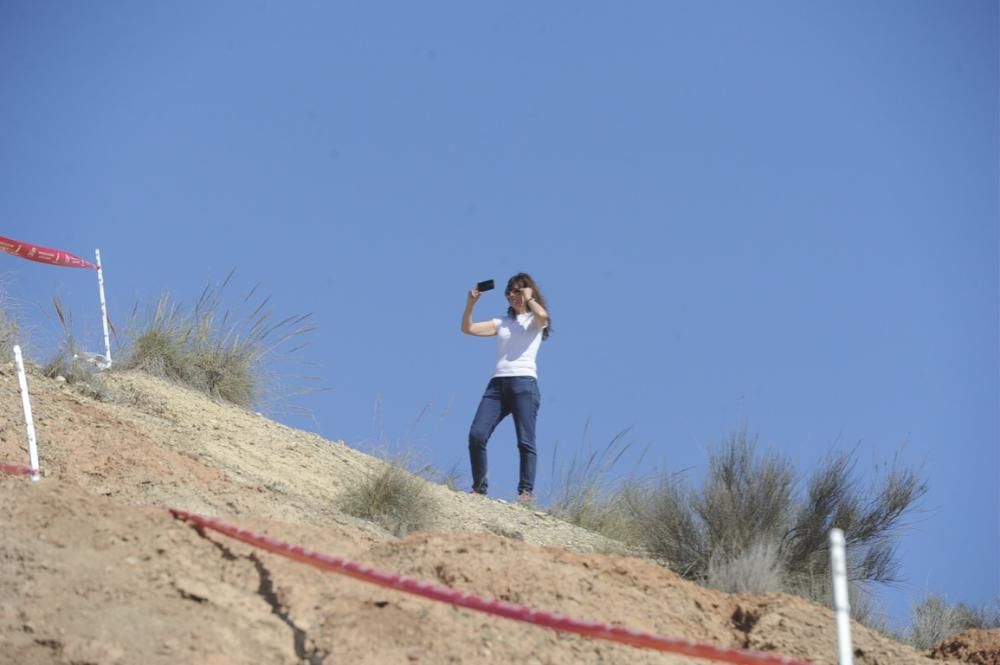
(55, 257)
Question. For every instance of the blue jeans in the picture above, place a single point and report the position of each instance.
(517, 396)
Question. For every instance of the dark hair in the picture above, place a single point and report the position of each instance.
(519, 281)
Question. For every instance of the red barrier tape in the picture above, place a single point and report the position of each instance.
(56, 257)
(488, 605)
(15, 469)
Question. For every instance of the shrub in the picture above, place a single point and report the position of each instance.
(986, 617)
(737, 519)
(668, 525)
(754, 569)
(745, 500)
(869, 520)
(747, 529)
(392, 497)
(747, 516)
(935, 620)
(210, 348)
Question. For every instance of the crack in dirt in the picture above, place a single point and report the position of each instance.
(265, 589)
(186, 595)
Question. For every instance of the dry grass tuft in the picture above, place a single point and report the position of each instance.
(583, 495)
(210, 347)
(755, 569)
(392, 497)
(8, 329)
(78, 368)
(935, 620)
(8, 336)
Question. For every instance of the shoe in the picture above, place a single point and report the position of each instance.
(526, 499)
(475, 491)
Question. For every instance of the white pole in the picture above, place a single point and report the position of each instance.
(104, 312)
(841, 605)
(26, 402)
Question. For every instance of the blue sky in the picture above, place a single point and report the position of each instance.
(778, 216)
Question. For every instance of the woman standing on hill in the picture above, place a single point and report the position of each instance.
(513, 388)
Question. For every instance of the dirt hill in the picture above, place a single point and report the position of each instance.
(95, 570)
(981, 647)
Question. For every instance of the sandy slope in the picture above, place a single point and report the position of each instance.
(94, 570)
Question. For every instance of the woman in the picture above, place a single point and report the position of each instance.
(513, 388)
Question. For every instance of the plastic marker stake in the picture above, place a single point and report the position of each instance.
(841, 605)
(26, 402)
(104, 312)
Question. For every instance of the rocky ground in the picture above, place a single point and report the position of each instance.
(96, 570)
(981, 647)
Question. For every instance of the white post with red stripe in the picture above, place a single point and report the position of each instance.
(26, 402)
(104, 312)
(841, 604)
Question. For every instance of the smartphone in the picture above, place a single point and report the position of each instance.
(484, 286)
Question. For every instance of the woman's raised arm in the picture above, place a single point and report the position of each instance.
(470, 327)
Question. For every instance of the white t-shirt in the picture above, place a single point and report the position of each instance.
(518, 340)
